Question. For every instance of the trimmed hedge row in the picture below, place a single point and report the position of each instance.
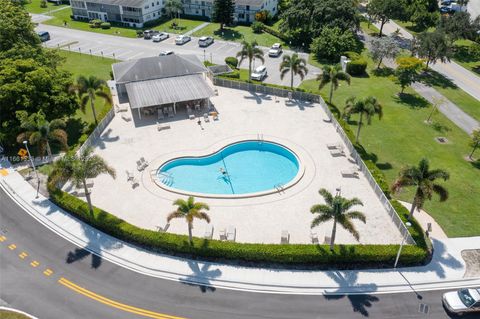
(345, 256)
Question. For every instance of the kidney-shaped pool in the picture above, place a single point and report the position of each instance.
(245, 167)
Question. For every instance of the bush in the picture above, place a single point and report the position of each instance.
(275, 33)
(257, 27)
(96, 23)
(43, 4)
(263, 16)
(231, 61)
(105, 25)
(332, 43)
(235, 74)
(357, 67)
(139, 34)
(208, 63)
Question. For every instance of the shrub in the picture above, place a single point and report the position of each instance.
(263, 16)
(352, 55)
(208, 63)
(105, 25)
(357, 67)
(231, 61)
(95, 23)
(235, 74)
(275, 33)
(331, 43)
(139, 34)
(257, 27)
(43, 4)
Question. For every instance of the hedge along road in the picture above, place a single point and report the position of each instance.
(77, 281)
(128, 49)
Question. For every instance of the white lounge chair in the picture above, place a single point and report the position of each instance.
(135, 182)
(140, 166)
(208, 232)
(222, 234)
(126, 118)
(314, 237)
(143, 161)
(129, 175)
(161, 127)
(334, 146)
(121, 108)
(163, 229)
(285, 237)
(327, 240)
(337, 153)
(231, 233)
(206, 118)
(351, 172)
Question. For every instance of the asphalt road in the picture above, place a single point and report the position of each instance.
(55, 279)
(474, 8)
(129, 48)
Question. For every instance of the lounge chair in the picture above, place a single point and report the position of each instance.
(314, 237)
(327, 240)
(205, 117)
(285, 237)
(160, 114)
(334, 146)
(135, 182)
(222, 234)
(161, 127)
(231, 233)
(163, 229)
(337, 153)
(122, 108)
(126, 118)
(143, 161)
(208, 232)
(351, 172)
(191, 116)
(129, 175)
(140, 166)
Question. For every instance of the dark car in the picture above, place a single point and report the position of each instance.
(446, 2)
(147, 34)
(43, 35)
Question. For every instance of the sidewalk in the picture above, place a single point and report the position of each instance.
(445, 271)
(201, 26)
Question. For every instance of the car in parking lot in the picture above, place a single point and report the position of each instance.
(167, 52)
(160, 37)
(275, 50)
(43, 35)
(147, 34)
(446, 2)
(182, 39)
(462, 301)
(259, 73)
(446, 9)
(205, 41)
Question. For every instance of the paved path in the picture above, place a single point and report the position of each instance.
(203, 25)
(446, 270)
(473, 7)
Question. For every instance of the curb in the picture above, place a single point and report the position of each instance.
(18, 311)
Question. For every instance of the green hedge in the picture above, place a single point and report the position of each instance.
(231, 61)
(275, 33)
(357, 67)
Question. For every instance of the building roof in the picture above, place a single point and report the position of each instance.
(168, 90)
(252, 3)
(158, 67)
(127, 3)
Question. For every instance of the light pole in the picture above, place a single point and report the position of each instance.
(33, 166)
(408, 224)
(204, 58)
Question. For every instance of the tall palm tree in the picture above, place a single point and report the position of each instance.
(189, 209)
(173, 8)
(294, 65)
(89, 88)
(424, 180)
(332, 75)
(368, 107)
(337, 208)
(40, 132)
(250, 51)
(77, 168)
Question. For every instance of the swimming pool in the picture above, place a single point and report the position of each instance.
(245, 167)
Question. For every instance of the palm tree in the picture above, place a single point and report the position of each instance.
(332, 75)
(294, 65)
(77, 168)
(250, 51)
(89, 88)
(40, 132)
(173, 8)
(424, 179)
(368, 107)
(337, 208)
(189, 209)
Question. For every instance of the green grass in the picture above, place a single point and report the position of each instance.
(369, 28)
(238, 34)
(412, 28)
(463, 57)
(34, 7)
(402, 138)
(184, 25)
(5, 314)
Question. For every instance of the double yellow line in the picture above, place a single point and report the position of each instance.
(113, 303)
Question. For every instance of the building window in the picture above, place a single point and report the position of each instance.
(158, 3)
(241, 15)
(153, 4)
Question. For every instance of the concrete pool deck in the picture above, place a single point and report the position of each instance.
(242, 115)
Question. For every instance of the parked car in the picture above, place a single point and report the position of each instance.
(160, 37)
(147, 34)
(462, 301)
(182, 39)
(163, 53)
(275, 50)
(43, 35)
(446, 2)
(259, 73)
(205, 41)
(445, 9)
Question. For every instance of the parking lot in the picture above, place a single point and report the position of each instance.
(122, 48)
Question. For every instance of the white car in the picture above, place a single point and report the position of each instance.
(160, 37)
(205, 41)
(182, 39)
(275, 50)
(163, 53)
(462, 301)
(259, 73)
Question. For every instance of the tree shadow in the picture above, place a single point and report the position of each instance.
(433, 78)
(201, 276)
(476, 69)
(476, 164)
(228, 34)
(75, 129)
(384, 166)
(298, 103)
(383, 72)
(441, 128)
(463, 54)
(106, 138)
(258, 97)
(412, 100)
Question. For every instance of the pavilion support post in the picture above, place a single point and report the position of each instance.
(139, 113)
(174, 108)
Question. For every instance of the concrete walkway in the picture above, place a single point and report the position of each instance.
(203, 25)
(446, 270)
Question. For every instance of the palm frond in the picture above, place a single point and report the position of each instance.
(356, 215)
(441, 191)
(320, 219)
(320, 208)
(175, 214)
(348, 226)
(327, 196)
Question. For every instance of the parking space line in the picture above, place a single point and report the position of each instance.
(12, 246)
(2, 238)
(48, 272)
(34, 264)
(22, 255)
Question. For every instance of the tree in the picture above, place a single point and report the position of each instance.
(89, 88)
(383, 48)
(223, 12)
(40, 132)
(423, 179)
(250, 51)
(77, 168)
(16, 27)
(337, 208)
(332, 43)
(294, 65)
(433, 46)
(423, 13)
(173, 8)
(383, 10)
(458, 26)
(475, 143)
(367, 107)
(189, 209)
(407, 71)
(332, 75)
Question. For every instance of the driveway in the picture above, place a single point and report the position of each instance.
(128, 48)
(474, 8)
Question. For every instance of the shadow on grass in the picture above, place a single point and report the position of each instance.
(413, 101)
(463, 54)
(476, 69)
(441, 128)
(476, 164)
(75, 129)
(228, 34)
(433, 78)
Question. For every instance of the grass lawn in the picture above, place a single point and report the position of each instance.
(369, 28)
(184, 25)
(4, 314)
(238, 34)
(410, 27)
(34, 7)
(464, 58)
(402, 138)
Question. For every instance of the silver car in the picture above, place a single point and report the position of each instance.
(160, 37)
(182, 39)
(275, 50)
(259, 73)
(205, 41)
(462, 301)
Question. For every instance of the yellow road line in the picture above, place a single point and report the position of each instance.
(12, 247)
(48, 272)
(2, 238)
(23, 255)
(34, 264)
(112, 303)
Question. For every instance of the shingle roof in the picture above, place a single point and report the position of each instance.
(157, 68)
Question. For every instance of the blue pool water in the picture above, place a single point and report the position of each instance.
(249, 166)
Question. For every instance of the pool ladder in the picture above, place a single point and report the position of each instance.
(167, 178)
(260, 138)
(279, 188)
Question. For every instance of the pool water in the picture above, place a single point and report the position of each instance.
(240, 168)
